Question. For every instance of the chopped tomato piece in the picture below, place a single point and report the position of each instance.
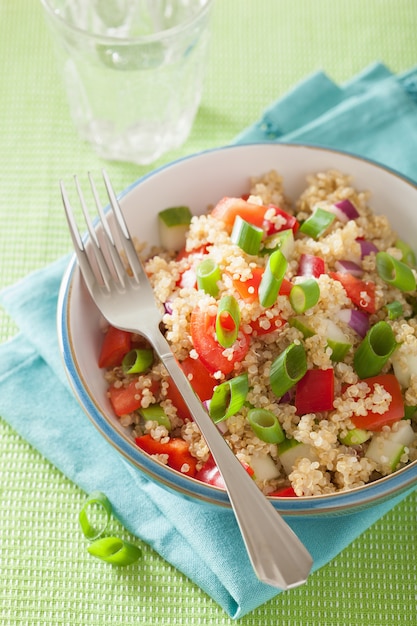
(314, 393)
(226, 321)
(116, 344)
(210, 352)
(179, 456)
(286, 492)
(229, 208)
(361, 292)
(184, 254)
(248, 289)
(200, 378)
(201, 381)
(376, 421)
(260, 327)
(288, 221)
(311, 265)
(178, 401)
(286, 287)
(210, 473)
(127, 399)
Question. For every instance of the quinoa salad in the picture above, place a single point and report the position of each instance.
(295, 323)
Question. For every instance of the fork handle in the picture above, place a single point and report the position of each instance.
(277, 555)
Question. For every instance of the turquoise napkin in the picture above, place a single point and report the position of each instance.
(374, 115)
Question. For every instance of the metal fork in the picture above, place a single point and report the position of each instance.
(126, 300)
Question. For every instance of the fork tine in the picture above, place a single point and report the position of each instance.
(76, 239)
(110, 243)
(125, 238)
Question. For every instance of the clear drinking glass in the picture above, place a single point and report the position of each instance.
(133, 71)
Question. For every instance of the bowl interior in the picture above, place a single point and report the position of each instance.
(198, 182)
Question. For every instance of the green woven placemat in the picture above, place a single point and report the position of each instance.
(259, 50)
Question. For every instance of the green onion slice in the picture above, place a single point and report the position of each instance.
(137, 360)
(408, 255)
(208, 275)
(355, 437)
(394, 272)
(339, 349)
(227, 321)
(156, 413)
(95, 515)
(247, 236)
(266, 426)
(228, 398)
(317, 223)
(287, 369)
(272, 278)
(374, 350)
(114, 550)
(283, 240)
(305, 295)
(301, 324)
(410, 412)
(395, 309)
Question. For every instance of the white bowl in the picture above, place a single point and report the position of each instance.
(198, 181)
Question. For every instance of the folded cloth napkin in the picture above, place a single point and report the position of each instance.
(374, 115)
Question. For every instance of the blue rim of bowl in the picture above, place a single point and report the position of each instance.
(387, 487)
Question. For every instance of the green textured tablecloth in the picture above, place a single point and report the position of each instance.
(259, 51)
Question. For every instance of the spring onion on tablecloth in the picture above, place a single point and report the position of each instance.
(97, 503)
(110, 549)
(114, 550)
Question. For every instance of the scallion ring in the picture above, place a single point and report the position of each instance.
(374, 350)
(305, 295)
(317, 223)
(394, 272)
(395, 309)
(287, 369)
(272, 278)
(228, 398)
(114, 550)
(266, 426)
(208, 275)
(137, 360)
(408, 255)
(247, 236)
(227, 321)
(97, 508)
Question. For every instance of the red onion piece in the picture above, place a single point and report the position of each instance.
(349, 267)
(168, 307)
(348, 209)
(311, 265)
(344, 210)
(366, 247)
(357, 320)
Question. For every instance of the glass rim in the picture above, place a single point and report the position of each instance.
(123, 41)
